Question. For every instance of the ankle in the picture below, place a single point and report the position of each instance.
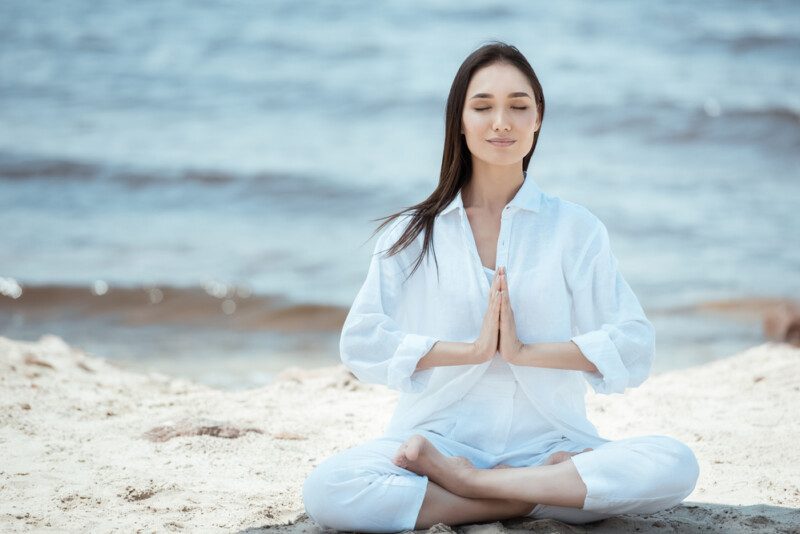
(470, 480)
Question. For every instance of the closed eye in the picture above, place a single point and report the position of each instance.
(512, 107)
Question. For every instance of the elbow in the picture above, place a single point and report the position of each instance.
(637, 345)
(353, 341)
(636, 339)
(348, 354)
(641, 367)
(600, 348)
(623, 355)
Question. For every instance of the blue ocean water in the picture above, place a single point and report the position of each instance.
(248, 145)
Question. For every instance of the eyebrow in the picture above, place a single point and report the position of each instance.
(511, 95)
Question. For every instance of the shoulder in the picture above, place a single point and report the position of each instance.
(392, 231)
(575, 223)
(582, 236)
(391, 234)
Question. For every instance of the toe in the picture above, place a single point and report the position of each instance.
(400, 456)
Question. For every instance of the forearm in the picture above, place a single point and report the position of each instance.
(448, 353)
(561, 355)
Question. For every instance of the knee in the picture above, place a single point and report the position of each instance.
(681, 465)
(317, 497)
(312, 489)
(334, 495)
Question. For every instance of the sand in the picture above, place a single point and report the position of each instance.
(89, 445)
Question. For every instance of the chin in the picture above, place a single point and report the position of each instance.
(507, 159)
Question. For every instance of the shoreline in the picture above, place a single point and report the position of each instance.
(84, 435)
(188, 334)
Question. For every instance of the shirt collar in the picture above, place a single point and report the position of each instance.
(528, 197)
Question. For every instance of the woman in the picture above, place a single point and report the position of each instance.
(494, 306)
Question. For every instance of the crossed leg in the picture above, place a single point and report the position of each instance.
(556, 482)
(355, 489)
(443, 506)
(455, 496)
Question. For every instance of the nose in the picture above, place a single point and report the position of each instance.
(501, 121)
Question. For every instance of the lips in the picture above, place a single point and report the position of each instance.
(501, 142)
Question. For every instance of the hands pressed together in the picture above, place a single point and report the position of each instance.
(499, 331)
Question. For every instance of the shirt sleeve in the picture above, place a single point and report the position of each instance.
(372, 344)
(612, 330)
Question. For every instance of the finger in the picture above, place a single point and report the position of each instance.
(499, 318)
(509, 312)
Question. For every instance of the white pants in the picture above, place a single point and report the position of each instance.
(360, 489)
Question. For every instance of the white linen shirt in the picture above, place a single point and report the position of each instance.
(563, 285)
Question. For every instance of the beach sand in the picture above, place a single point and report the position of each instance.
(91, 446)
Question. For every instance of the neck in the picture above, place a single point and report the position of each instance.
(492, 187)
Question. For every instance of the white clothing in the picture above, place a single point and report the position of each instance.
(563, 284)
(495, 416)
(515, 424)
(360, 489)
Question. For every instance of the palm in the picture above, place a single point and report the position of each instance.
(509, 344)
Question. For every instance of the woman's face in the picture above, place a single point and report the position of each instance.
(499, 105)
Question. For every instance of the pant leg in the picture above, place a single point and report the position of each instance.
(360, 489)
(638, 475)
(523, 458)
(575, 516)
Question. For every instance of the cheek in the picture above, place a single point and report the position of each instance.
(472, 124)
(473, 131)
(525, 122)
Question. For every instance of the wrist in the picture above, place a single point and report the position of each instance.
(477, 353)
(519, 349)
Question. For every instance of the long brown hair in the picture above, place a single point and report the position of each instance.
(456, 160)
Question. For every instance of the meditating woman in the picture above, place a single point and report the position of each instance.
(489, 306)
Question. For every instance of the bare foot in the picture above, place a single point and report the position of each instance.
(419, 455)
(562, 456)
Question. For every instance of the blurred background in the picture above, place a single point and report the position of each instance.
(189, 186)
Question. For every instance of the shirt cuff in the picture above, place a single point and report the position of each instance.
(401, 373)
(611, 375)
